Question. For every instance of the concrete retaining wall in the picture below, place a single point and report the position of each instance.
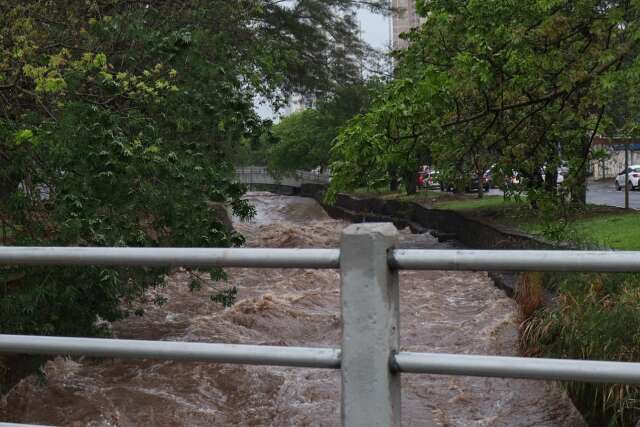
(470, 231)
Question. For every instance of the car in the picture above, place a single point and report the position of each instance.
(469, 186)
(431, 180)
(427, 178)
(633, 173)
(473, 184)
(488, 179)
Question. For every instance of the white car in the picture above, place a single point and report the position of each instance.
(634, 177)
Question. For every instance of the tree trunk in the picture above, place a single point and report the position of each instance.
(393, 180)
(410, 185)
(480, 185)
(551, 181)
(579, 193)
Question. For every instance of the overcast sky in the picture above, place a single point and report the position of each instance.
(375, 29)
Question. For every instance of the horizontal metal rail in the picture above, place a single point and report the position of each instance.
(368, 358)
(515, 260)
(303, 357)
(404, 259)
(201, 257)
(328, 358)
(21, 425)
(518, 367)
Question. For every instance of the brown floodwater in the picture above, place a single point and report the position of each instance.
(453, 312)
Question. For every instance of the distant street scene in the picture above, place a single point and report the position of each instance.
(604, 192)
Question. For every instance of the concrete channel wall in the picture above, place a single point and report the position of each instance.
(445, 224)
(471, 232)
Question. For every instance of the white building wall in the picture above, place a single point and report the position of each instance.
(403, 21)
(609, 168)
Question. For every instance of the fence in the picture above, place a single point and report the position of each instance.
(369, 357)
(260, 175)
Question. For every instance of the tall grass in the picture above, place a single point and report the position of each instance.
(529, 294)
(596, 317)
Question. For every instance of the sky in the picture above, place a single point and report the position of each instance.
(375, 31)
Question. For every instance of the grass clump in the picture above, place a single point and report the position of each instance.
(530, 294)
(595, 317)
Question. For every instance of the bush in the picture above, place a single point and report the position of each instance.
(595, 317)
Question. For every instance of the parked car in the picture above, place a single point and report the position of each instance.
(432, 180)
(472, 186)
(633, 172)
(488, 179)
(427, 179)
(468, 186)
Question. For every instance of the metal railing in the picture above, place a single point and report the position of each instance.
(260, 175)
(369, 357)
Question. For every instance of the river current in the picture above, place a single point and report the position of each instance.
(452, 312)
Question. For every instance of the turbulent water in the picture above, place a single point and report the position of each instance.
(455, 312)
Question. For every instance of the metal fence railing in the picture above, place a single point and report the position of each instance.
(369, 356)
(260, 175)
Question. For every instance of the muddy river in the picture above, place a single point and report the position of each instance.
(454, 312)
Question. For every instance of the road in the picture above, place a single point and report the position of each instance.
(603, 192)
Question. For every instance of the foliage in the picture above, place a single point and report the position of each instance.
(375, 147)
(303, 139)
(115, 121)
(523, 85)
(596, 317)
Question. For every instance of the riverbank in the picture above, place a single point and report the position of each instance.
(580, 316)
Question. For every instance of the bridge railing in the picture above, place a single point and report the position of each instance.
(261, 175)
(369, 356)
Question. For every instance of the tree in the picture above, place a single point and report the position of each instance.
(303, 139)
(115, 117)
(521, 84)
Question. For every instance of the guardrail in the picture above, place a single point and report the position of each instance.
(369, 357)
(260, 175)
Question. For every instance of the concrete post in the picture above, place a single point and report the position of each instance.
(370, 322)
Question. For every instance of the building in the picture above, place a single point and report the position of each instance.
(615, 161)
(403, 21)
(298, 102)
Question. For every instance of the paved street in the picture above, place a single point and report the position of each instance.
(603, 192)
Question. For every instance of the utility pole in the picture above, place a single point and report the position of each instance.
(626, 176)
(617, 142)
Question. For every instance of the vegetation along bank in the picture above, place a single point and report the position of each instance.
(563, 315)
